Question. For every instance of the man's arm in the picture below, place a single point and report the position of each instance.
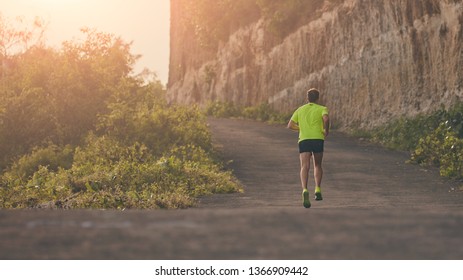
(293, 126)
(326, 125)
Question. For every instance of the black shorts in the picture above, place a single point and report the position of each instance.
(311, 146)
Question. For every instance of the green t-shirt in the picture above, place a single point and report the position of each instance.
(309, 117)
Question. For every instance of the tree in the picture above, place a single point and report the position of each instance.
(55, 96)
(20, 39)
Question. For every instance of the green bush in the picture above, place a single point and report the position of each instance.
(405, 133)
(442, 148)
(142, 115)
(108, 174)
(223, 110)
(77, 130)
(144, 154)
(262, 112)
(51, 157)
(433, 140)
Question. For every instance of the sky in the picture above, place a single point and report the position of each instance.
(143, 22)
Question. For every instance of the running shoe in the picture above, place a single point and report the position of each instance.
(305, 199)
(318, 196)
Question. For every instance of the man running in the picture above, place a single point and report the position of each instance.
(313, 124)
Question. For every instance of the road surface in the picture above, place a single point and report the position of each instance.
(375, 207)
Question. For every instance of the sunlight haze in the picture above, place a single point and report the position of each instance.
(143, 22)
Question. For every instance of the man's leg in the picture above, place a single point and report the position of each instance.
(318, 174)
(305, 167)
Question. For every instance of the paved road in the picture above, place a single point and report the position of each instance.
(375, 207)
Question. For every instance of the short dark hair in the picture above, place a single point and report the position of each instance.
(313, 94)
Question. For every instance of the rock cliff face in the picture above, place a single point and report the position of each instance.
(372, 60)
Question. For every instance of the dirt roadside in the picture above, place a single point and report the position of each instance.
(375, 207)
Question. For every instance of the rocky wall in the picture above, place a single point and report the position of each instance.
(372, 60)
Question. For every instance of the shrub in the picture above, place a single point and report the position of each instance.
(262, 112)
(442, 148)
(434, 140)
(52, 157)
(223, 110)
(78, 131)
(144, 154)
(108, 174)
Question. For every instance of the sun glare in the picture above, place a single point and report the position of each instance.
(56, 3)
(145, 22)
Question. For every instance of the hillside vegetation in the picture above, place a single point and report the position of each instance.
(434, 139)
(79, 130)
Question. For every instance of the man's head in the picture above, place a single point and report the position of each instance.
(313, 95)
